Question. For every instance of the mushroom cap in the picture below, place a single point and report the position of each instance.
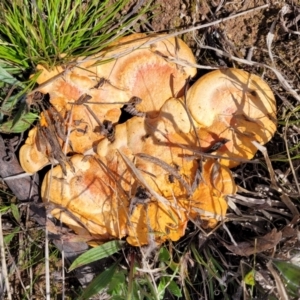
(173, 118)
(31, 159)
(208, 201)
(236, 150)
(154, 222)
(145, 70)
(158, 222)
(224, 93)
(91, 195)
(83, 128)
(235, 105)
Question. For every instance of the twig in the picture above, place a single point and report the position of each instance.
(229, 234)
(47, 264)
(93, 115)
(69, 130)
(290, 161)
(15, 269)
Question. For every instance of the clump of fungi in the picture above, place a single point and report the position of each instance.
(144, 178)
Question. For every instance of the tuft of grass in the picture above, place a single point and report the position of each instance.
(50, 32)
(131, 277)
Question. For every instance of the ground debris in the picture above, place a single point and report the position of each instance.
(257, 245)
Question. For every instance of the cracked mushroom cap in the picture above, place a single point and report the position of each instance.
(234, 105)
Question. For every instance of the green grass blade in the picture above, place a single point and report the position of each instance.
(8, 78)
(8, 238)
(174, 289)
(99, 283)
(35, 32)
(97, 253)
(20, 125)
(15, 212)
(290, 273)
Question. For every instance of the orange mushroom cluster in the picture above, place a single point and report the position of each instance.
(144, 178)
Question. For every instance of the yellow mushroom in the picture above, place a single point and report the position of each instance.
(234, 105)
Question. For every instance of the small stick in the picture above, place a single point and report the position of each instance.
(93, 115)
(3, 262)
(82, 99)
(102, 81)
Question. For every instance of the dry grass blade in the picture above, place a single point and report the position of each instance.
(208, 214)
(139, 176)
(290, 161)
(270, 38)
(284, 83)
(286, 200)
(279, 284)
(47, 266)
(3, 262)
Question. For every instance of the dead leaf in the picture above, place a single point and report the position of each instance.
(257, 245)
